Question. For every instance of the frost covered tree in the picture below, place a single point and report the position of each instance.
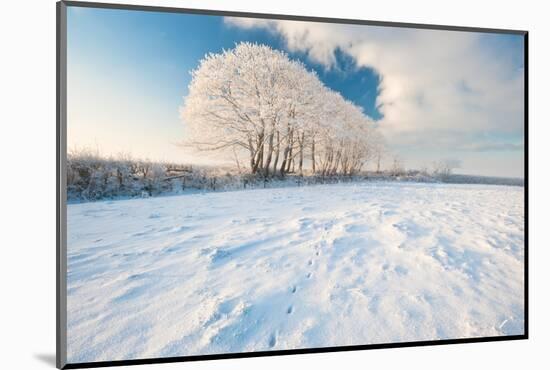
(379, 149)
(445, 167)
(397, 167)
(254, 101)
(236, 100)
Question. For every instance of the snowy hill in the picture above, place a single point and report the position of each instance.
(288, 268)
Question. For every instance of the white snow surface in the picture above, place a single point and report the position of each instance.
(270, 269)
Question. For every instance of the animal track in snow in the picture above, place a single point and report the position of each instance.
(272, 340)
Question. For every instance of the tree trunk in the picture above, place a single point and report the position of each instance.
(328, 162)
(313, 156)
(260, 161)
(277, 152)
(259, 154)
(252, 155)
(269, 155)
(336, 163)
(301, 159)
(283, 165)
(289, 160)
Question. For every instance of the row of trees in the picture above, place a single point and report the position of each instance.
(254, 102)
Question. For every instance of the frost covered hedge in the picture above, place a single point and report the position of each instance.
(92, 177)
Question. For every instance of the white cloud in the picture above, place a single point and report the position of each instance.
(437, 87)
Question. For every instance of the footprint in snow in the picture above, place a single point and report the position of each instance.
(272, 340)
(180, 229)
(400, 270)
(164, 229)
(141, 233)
(172, 249)
(305, 222)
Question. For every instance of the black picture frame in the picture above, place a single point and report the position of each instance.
(61, 196)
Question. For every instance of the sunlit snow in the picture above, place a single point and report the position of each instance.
(287, 268)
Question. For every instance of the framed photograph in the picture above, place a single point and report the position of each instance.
(236, 184)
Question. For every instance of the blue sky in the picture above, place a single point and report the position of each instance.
(128, 72)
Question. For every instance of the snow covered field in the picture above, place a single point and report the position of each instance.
(316, 266)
